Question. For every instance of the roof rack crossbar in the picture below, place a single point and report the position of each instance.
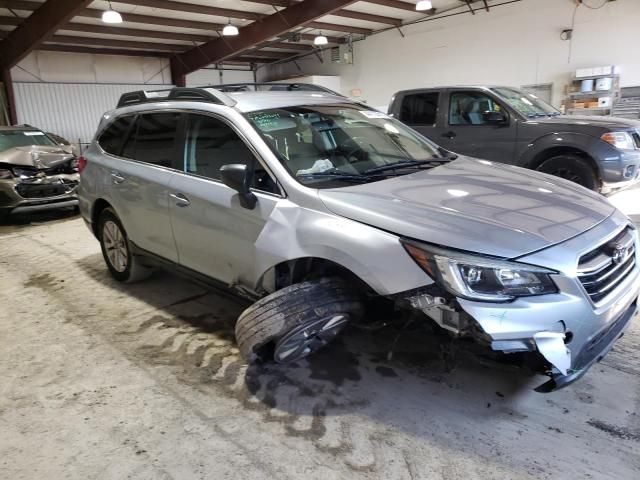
(284, 86)
(178, 93)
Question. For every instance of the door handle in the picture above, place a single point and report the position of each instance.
(181, 200)
(449, 135)
(117, 178)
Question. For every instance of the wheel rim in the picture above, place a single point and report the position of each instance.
(306, 339)
(115, 246)
(568, 174)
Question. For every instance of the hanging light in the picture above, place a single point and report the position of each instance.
(230, 30)
(423, 5)
(111, 16)
(320, 40)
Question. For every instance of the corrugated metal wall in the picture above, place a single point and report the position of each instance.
(71, 110)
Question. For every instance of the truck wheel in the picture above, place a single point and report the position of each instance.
(573, 168)
(116, 250)
(4, 213)
(296, 321)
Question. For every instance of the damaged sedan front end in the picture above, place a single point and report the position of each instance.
(35, 173)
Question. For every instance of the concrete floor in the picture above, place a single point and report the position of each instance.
(102, 380)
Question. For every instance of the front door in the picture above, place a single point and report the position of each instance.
(214, 234)
(468, 132)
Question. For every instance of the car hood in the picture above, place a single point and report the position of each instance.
(474, 205)
(38, 156)
(614, 123)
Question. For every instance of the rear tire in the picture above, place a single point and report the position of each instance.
(4, 214)
(116, 250)
(572, 168)
(296, 321)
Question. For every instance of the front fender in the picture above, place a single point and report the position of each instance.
(530, 156)
(375, 256)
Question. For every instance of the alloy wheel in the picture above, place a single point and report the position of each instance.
(308, 338)
(115, 246)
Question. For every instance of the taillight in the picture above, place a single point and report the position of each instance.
(82, 162)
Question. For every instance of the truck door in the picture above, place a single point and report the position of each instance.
(478, 125)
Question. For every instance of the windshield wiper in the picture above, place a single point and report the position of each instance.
(410, 164)
(336, 175)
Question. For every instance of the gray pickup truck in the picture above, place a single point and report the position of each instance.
(508, 125)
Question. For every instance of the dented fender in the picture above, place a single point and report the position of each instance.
(374, 255)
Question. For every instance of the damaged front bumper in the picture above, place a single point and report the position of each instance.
(571, 329)
(38, 192)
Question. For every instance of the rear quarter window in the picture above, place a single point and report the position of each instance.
(111, 139)
(419, 108)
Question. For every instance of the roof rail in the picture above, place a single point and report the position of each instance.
(200, 94)
(272, 86)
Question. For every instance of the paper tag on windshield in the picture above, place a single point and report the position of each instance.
(33, 134)
(373, 114)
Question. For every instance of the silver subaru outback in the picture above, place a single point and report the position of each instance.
(313, 206)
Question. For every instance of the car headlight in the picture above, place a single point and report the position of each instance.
(5, 174)
(621, 140)
(481, 278)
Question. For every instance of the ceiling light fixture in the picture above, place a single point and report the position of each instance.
(320, 40)
(111, 16)
(230, 30)
(423, 5)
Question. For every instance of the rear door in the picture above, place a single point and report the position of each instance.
(420, 110)
(140, 181)
(465, 130)
(215, 235)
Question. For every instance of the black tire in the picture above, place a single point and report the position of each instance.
(572, 168)
(126, 268)
(319, 308)
(4, 213)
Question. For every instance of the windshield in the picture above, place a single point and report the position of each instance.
(23, 138)
(333, 145)
(526, 103)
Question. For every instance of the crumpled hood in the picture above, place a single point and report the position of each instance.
(474, 205)
(39, 156)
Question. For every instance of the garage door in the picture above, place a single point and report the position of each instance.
(71, 110)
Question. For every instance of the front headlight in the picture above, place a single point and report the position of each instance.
(481, 278)
(5, 174)
(621, 140)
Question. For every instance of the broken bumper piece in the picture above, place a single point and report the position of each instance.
(591, 353)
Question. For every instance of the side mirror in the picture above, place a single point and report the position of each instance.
(237, 176)
(495, 118)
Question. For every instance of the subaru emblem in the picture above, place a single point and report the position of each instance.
(619, 253)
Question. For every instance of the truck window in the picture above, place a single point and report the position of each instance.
(420, 108)
(466, 108)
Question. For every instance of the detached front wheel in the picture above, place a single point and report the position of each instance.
(296, 321)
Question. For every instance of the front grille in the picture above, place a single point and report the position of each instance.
(45, 190)
(603, 269)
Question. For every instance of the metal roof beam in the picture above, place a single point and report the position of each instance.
(37, 28)
(340, 13)
(254, 34)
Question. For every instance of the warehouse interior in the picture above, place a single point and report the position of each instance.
(110, 380)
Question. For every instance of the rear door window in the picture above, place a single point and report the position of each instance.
(420, 108)
(154, 139)
(111, 139)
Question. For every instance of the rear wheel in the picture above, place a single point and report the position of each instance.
(573, 168)
(296, 321)
(4, 213)
(116, 250)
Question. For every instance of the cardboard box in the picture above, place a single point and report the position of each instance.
(579, 105)
(593, 104)
(584, 72)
